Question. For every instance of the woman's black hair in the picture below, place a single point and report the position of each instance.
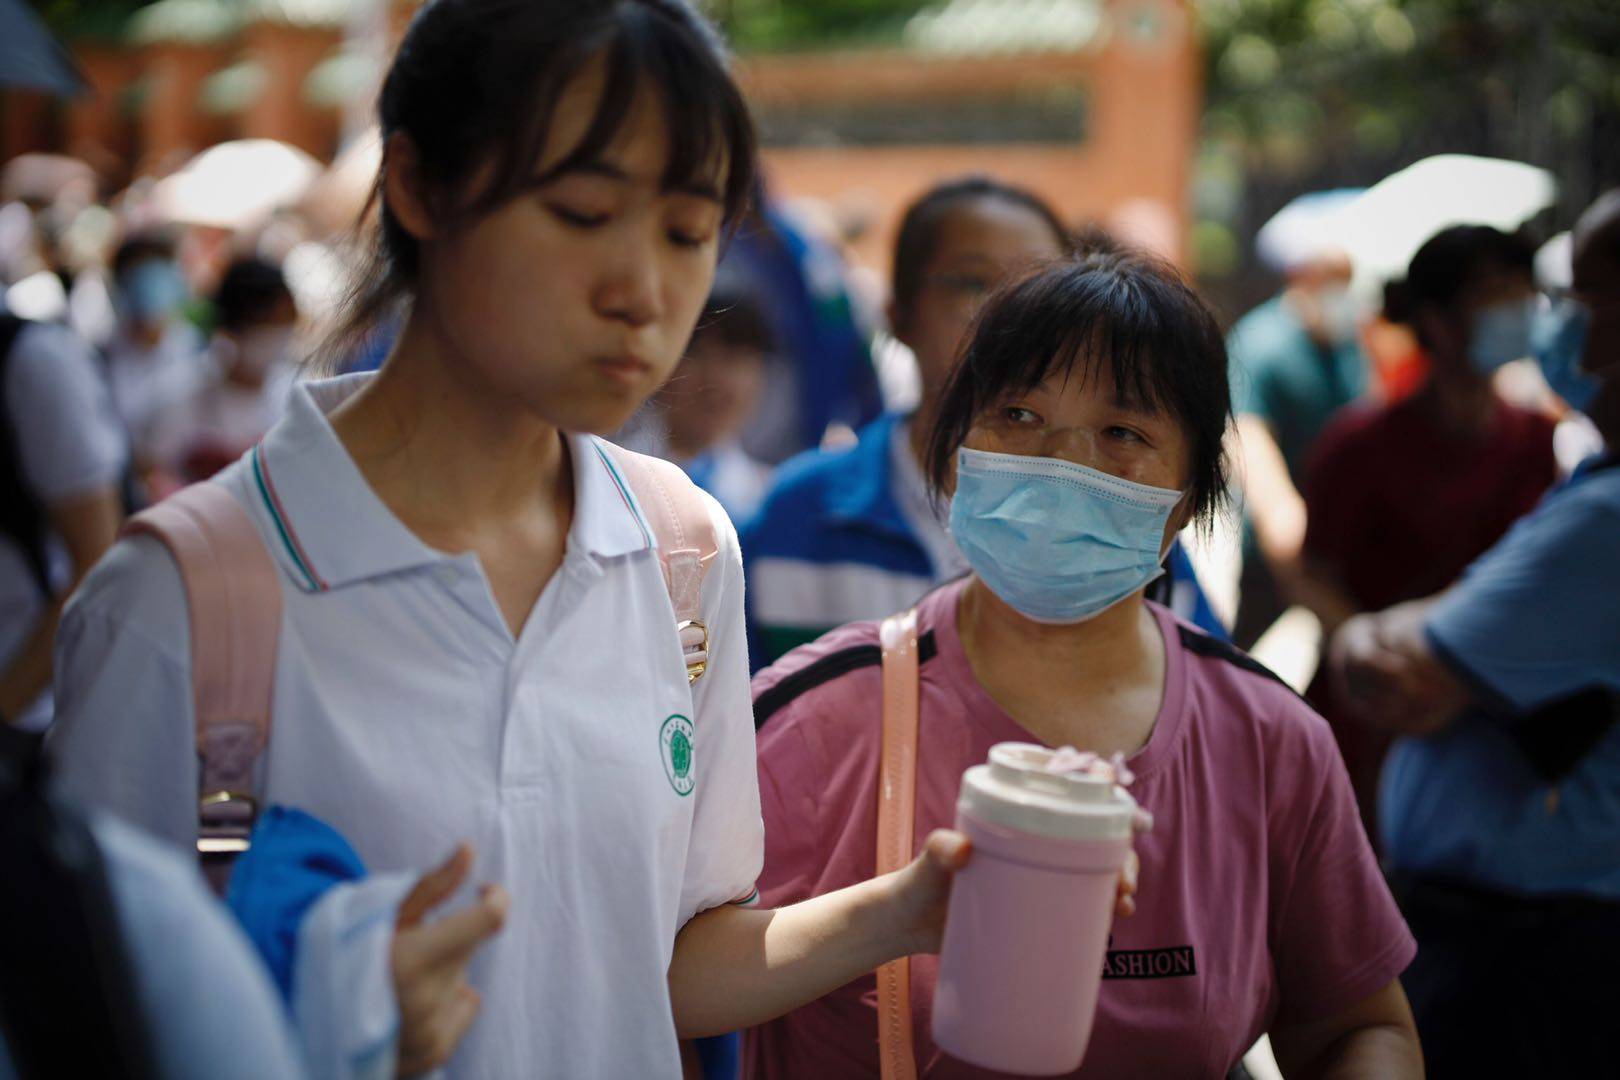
(1450, 261)
(476, 84)
(920, 227)
(735, 315)
(249, 291)
(1128, 314)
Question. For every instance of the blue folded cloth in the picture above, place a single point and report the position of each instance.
(295, 858)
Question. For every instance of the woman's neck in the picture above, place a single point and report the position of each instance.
(444, 453)
(1096, 684)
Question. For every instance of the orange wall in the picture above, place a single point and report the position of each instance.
(1143, 106)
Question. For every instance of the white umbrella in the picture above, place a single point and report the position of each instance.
(236, 185)
(1384, 227)
(1304, 229)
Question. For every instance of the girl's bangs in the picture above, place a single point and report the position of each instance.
(711, 136)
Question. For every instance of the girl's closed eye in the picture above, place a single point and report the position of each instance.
(577, 217)
(690, 238)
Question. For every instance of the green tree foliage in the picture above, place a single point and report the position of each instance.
(76, 19)
(776, 25)
(1311, 94)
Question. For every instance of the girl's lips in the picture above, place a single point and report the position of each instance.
(625, 369)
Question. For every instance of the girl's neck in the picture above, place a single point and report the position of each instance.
(444, 451)
(1096, 684)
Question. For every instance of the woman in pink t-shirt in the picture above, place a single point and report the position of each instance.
(1081, 432)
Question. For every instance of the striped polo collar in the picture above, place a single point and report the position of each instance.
(333, 530)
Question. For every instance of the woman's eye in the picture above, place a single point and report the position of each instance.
(1015, 414)
(579, 219)
(1125, 434)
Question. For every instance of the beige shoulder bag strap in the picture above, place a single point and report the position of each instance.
(896, 828)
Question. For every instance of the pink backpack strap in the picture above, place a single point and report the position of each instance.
(233, 596)
(680, 521)
(896, 827)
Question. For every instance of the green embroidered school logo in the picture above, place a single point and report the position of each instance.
(675, 742)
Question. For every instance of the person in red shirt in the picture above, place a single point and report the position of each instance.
(1400, 498)
(1080, 432)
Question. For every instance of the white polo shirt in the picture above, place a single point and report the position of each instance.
(407, 717)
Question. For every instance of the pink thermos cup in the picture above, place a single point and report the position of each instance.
(1029, 915)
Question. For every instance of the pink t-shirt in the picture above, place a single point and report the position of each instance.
(1259, 902)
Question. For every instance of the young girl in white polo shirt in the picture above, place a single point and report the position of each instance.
(476, 640)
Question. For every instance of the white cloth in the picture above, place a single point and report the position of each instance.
(147, 382)
(343, 993)
(926, 515)
(408, 718)
(69, 443)
(205, 997)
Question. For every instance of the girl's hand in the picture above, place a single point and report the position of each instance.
(436, 1003)
(922, 890)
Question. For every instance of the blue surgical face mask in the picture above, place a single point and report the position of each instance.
(1501, 334)
(1560, 339)
(1057, 541)
(153, 290)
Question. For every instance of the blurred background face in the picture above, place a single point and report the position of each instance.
(713, 392)
(151, 292)
(978, 245)
(264, 344)
(1319, 295)
(1492, 305)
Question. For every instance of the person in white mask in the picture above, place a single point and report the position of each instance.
(1296, 360)
(1401, 497)
(243, 389)
(155, 356)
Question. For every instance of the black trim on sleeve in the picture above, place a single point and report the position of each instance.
(830, 667)
(1201, 644)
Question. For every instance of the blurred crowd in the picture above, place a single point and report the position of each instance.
(1412, 448)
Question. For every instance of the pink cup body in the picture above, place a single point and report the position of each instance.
(1022, 958)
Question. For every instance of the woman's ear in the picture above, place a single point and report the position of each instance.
(404, 189)
(1181, 515)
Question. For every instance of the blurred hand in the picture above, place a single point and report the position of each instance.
(1367, 674)
(1385, 676)
(923, 889)
(436, 1003)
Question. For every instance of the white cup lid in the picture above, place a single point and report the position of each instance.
(1020, 789)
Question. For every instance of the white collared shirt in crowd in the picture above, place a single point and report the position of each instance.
(147, 380)
(69, 443)
(408, 717)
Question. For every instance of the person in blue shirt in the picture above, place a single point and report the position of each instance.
(1296, 360)
(853, 534)
(1501, 804)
